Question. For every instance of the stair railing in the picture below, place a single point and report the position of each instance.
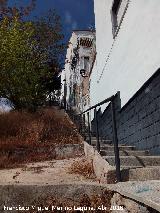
(115, 138)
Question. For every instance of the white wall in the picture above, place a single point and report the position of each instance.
(136, 51)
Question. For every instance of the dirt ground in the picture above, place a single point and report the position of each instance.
(47, 172)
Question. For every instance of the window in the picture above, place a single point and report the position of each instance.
(86, 64)
(85, 42)
(114, 12)
(118, 12)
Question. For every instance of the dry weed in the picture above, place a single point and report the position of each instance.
(82, 167)
(23, 133)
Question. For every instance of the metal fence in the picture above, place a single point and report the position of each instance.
(85, 124)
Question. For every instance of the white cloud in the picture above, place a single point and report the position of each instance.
(70, 21)
(74, 25)
(68, 17)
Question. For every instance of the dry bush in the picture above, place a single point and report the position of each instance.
(82, 167)
(22, 131)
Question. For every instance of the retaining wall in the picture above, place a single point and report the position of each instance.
(138, 122)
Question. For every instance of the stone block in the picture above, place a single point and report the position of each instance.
(128, 205)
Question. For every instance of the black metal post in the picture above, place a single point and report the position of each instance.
(73, 117)
(115, 140)
(97, 130)
(80, 124)
(89, 129)
(84, 126)
(65, 95)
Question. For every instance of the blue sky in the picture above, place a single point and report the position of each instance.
(75, 14)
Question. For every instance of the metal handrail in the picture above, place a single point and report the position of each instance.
(99, 104)
(115, 138)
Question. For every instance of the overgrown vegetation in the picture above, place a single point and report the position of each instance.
(30, 56)
(27, 137)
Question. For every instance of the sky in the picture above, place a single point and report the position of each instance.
(75, 14)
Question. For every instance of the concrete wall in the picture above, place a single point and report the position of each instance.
(133, 54)
(138, 121)
(105, 119)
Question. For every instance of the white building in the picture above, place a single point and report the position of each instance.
(78, 66)
(127, 45)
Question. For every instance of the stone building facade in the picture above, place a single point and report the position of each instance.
(78, 65)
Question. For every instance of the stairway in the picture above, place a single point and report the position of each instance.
(135, 164)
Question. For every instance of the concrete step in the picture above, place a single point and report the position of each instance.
(106, 147)
(141, 174)
(125, 153)
(102, 142)
(130, 167)
(137, 174)
(135, 161)
(93, 138)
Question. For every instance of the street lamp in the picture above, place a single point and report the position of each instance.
(83, 73)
